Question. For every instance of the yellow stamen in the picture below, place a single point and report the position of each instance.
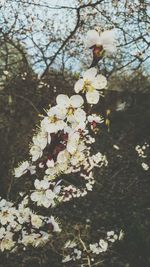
(53, 119)
(88, 86)
(70, 111)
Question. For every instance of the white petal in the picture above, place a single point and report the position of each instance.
(107, 39)
(80, 126)
(35, 152)
(90, 74)
(22, 169)
(63, 156)
(46, 125)
(44, 184)
(110, 48)
(66, 259)
(63, 100)
(49, 138)
(103, 244)
(50, 194)
(80, 115)
(40, 140)
(50, 163)
(73, 142)
(79, 86)
(57, 189)
(46, 202)
(71, 119)
(57, 111)
(34, 196)
(37, 184)
(76, 101)
(100, 82)
(32, 169)
(92, 97)
(60, 125)
(92, 38)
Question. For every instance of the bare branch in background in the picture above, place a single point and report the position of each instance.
(48, 31)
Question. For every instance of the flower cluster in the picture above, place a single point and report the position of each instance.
(62, 146)
(142, 153)
(61, 164)
(20, 225)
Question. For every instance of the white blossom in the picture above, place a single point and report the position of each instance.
(43, 195)
(67, 259)
(95, 118)
(75, 101)
(41, 139)
(23, 168)
(103, 244)
(90, 84)
(6, 243)
(145, 166)
(54, 223)
(36, 220)
(36, 152)
(106, 40)
(54, 122)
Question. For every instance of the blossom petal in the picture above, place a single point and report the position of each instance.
(107, 39)
(100, 82)
(63, 156)
(44, 184)
(37, 184)
(46, 203)
(76, 101)
(34, 196)
(92, 38)
(35, 152)
(63, 100)
(110, 48)
(40, 140)
(50, 194)
(57, 189)
(92, 97)
(73, 142)
(79, 86)
(50, 163)
(80, 115)
(90, 74)
(57, 111)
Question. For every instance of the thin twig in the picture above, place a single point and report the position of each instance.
(85, 248)
(29, 101)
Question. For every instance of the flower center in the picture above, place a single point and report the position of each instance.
(53, 119)
(98, 50)
(88, 86)
(70, 111)
(5, 214)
